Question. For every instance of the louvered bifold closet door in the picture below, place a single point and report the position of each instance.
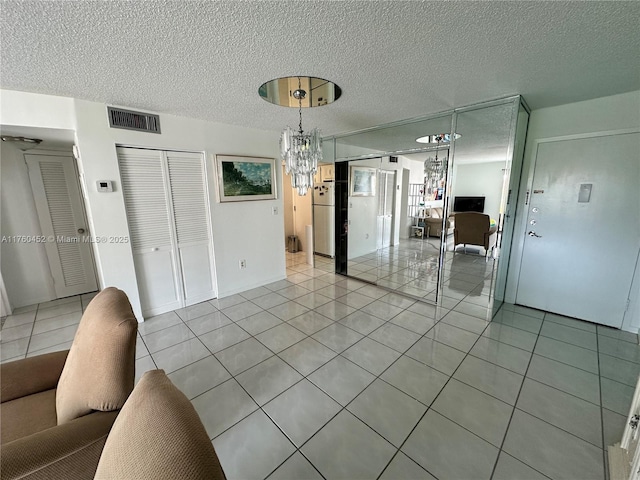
(187, 180)
(146, 200)
(54, 181)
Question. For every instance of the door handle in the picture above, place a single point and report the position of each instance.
(534, 234)
(81, 231)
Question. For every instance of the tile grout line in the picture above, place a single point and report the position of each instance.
(604, 446)
(515, 402)
(339, 354)
(33, 326)
(260, 407)
(306, 377)
(430, 406)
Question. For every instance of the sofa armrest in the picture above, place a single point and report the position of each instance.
(31, 375)
(70, 450)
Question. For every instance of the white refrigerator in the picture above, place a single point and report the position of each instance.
(323, 219)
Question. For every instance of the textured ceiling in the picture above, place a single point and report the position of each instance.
(393, 60)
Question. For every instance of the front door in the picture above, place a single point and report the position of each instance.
(583, 228)
(54, 181)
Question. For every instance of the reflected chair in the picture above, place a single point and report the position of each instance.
(58, 408)
(472, 228)
(158, 435)
(434, 222)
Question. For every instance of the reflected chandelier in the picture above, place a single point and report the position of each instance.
(434, 169)
(301, 152)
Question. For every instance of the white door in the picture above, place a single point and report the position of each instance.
(583, 228)
(192, 228)
(54, 180)
(146, 201)
(167, 210)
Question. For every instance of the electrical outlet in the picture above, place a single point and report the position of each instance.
(243, 264)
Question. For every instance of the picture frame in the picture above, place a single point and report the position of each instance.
(362, 182)
(242, 179)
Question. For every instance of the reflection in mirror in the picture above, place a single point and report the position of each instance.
(363, 219)
(317, 91)
(515, 168)
(433, 215)
(394, 211)
(477, 200)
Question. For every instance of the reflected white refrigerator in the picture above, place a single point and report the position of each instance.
(323, 219)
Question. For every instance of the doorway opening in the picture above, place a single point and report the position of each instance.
(43, 209)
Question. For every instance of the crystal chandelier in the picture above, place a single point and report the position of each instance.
(434, 169)
(301, 152)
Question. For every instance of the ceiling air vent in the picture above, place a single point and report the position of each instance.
(142, 122)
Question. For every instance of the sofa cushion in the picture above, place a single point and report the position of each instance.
(158, 434)
(100, 369)
(27, 415)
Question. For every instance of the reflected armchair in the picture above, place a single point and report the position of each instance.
(472, 228)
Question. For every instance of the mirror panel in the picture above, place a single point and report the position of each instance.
(515, 169)
(477, 197)
(400, 199)
(389, 202)
(363, 219)
(317, 91)
(390, 140)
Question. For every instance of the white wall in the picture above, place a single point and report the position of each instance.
(36, 110)
(24, 266)
(607, 114)
(480, 180)
(362, 214)
(416, 168)
(241, 230)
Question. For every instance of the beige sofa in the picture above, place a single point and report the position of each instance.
(472, 228)
(58, 408)
(434, 222)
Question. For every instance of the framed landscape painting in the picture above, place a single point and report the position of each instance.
(363, 182)
(245, 178)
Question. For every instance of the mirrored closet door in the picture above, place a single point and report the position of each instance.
(406, 194)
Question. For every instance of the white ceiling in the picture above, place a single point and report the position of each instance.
(393, 60)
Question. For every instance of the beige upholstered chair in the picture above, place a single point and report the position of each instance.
(434, 221)
(58, 408)
(472, 228)
(158, 435)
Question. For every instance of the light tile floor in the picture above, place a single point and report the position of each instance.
(319, 376)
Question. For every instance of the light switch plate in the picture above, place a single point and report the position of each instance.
(585, 193)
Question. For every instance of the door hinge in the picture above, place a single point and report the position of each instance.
(626, 307)
(526, 201)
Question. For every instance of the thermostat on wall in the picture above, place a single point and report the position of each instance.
(105, 185)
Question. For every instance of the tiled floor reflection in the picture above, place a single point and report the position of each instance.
(411, 268)
(319, 376)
